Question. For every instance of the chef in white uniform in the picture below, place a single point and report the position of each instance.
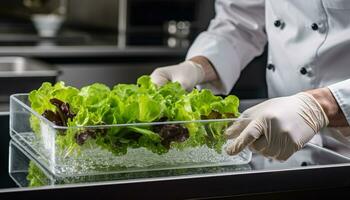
(308, 69)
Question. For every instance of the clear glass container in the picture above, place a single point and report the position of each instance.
(25, 171)
(42, 140)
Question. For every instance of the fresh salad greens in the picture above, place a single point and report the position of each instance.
(36, 177)
(143, 102)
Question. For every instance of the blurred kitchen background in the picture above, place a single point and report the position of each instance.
(107, 41)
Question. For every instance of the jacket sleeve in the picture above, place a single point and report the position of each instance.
(341, 92)
(235, 36)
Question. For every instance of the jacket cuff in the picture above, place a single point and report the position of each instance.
(222, 54)
(341, 92)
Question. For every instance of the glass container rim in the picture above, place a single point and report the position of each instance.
(54, 126)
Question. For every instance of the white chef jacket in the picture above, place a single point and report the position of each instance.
(308, 45)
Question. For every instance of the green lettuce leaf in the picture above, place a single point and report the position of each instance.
(145, 102)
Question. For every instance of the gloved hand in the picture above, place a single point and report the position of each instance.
(187, 73)
(278, 127)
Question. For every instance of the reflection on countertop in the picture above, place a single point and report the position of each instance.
(310, 157)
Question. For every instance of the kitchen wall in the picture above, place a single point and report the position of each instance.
(96, 13)
(105, 15)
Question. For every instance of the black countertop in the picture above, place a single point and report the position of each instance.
(5, 180)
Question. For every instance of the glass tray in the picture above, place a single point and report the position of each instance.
(21, 163)
(91, 159)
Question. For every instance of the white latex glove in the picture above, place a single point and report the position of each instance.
(188, 74)
(278, 127)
